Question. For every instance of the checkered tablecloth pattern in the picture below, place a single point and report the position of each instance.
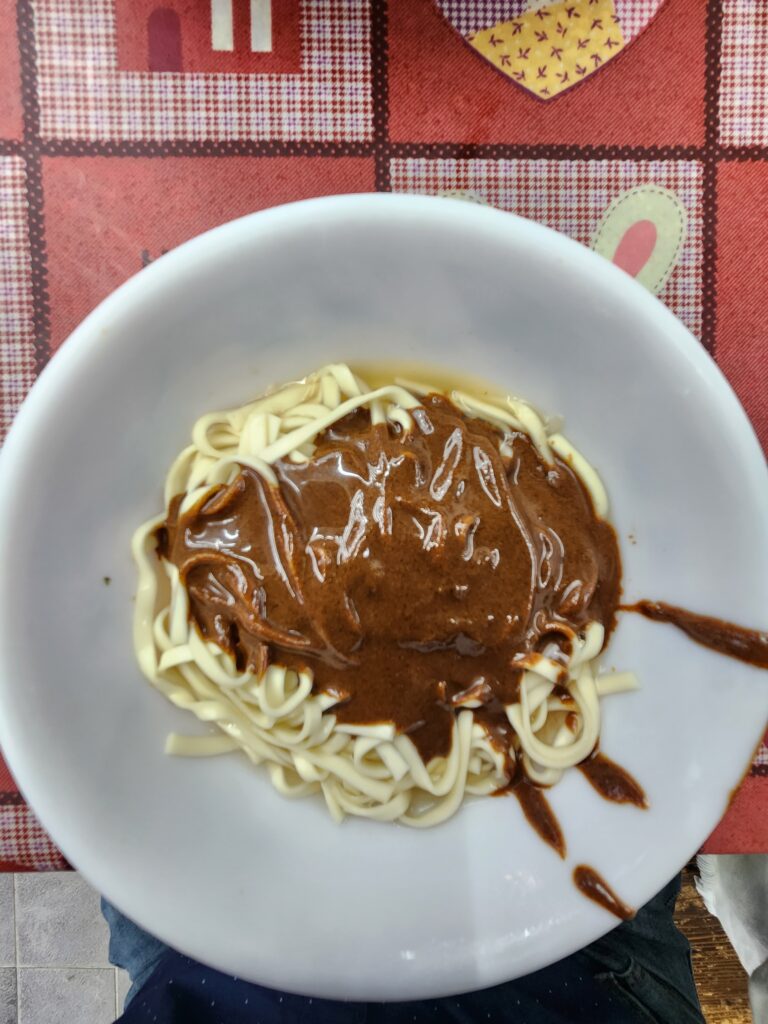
(85, 94)
(123, 132)
(572, 197)
(17, 357)
(744, 81)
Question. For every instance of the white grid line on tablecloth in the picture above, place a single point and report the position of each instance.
(83, 95)
(572, 196)
(744, 73)
(17, 358)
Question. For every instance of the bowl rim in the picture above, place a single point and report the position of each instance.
(218, 241)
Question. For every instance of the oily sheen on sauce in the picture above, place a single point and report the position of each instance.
(506, 556)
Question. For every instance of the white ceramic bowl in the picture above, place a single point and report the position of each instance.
(204, 853)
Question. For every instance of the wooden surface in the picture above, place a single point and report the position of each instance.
(720, 978)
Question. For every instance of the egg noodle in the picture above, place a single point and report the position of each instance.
(367, 770)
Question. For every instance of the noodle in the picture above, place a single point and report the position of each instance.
(370, 771)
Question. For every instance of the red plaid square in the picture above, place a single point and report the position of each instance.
(17, 362)
(83, 94)
(25, 843)
(744, 73)
(572, 196)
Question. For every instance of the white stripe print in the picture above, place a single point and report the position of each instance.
(222, 26)
(261, 26)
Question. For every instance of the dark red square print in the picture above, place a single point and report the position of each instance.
(106, 217)
(11, 117)
(741, 340)
(652, 94)
(225, 36)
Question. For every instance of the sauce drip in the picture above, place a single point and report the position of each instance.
(409, 572)
(748, 645)
(540, 815)
(612, 781)
(595, 888)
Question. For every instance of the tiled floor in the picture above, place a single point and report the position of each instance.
(54, 967)
(53, 953)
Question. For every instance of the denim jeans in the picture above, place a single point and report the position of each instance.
(640, 973)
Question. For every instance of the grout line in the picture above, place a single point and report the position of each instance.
(64, 967)
(14, 915)
(16, 950)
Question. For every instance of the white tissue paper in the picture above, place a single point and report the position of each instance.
(735, 890)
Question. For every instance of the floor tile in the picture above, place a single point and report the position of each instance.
(123, 984)
(49, 994)
(58, 922)
(8, 995)
(7, 937)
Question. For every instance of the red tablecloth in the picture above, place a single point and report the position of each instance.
(640, 126)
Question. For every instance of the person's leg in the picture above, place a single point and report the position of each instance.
(131, 948)
(648, 960)
(638, 973)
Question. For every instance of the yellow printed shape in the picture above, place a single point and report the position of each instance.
(551, 48)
